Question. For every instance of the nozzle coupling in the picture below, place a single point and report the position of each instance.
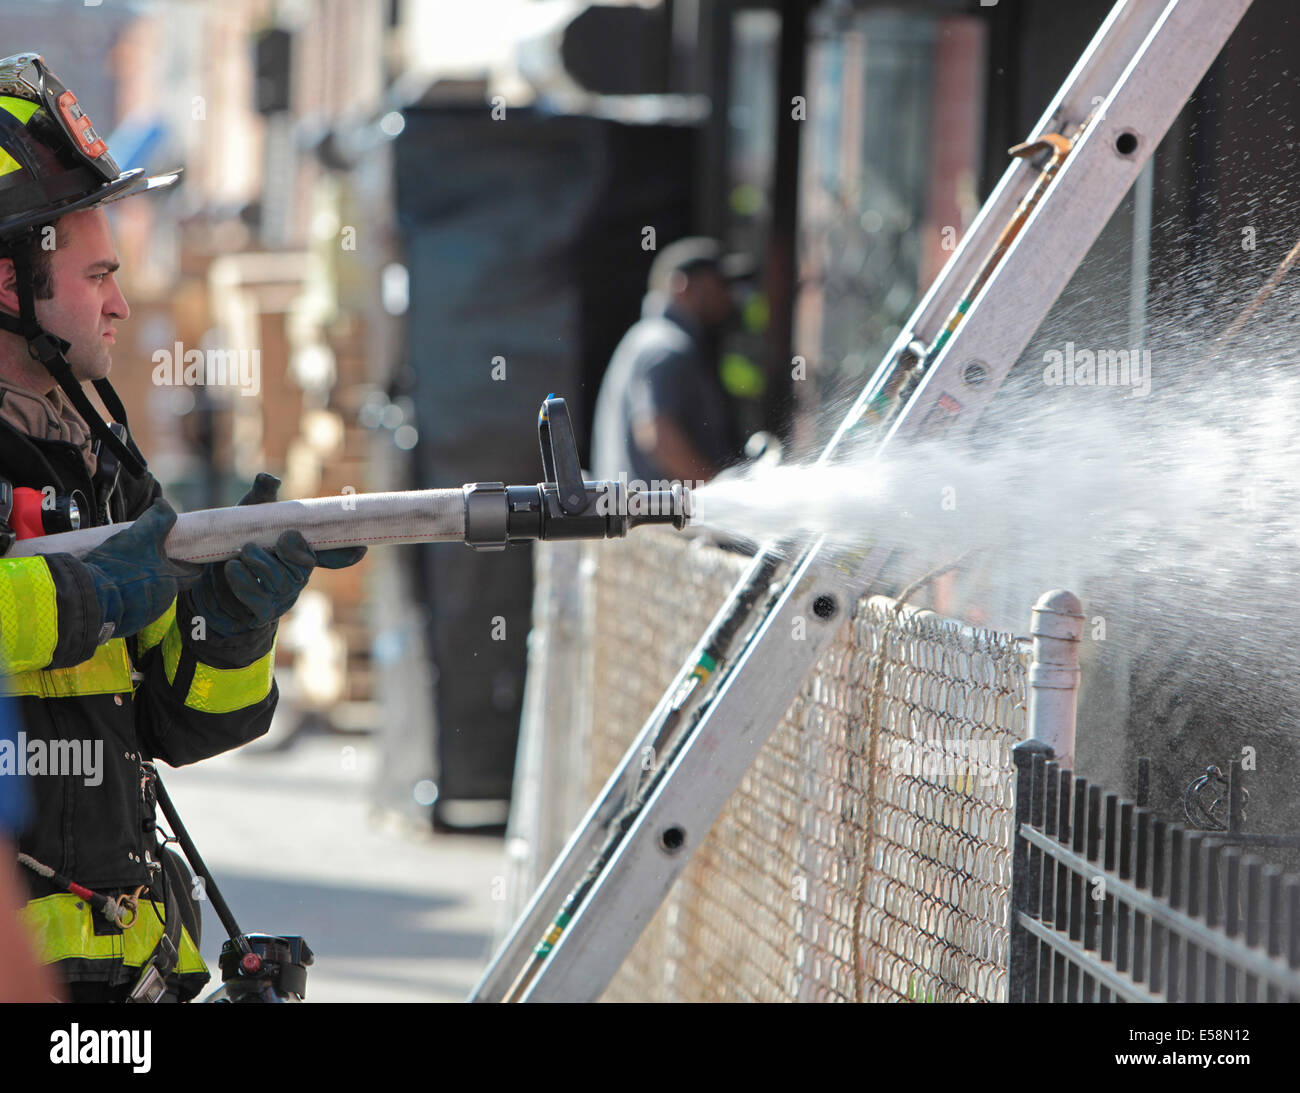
(497, 514)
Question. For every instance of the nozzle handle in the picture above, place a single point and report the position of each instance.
(560, 455)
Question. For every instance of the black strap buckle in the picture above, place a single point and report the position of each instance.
(45, 347)
(108, 470)
(150, 987)
(7, 534)
(148, 783)
(152, 984)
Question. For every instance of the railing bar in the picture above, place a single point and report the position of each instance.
(1195, 894)
(1212, 990)
(1091, 905)
(1078, 882)
(1110, 864)
(1060, 974)
(1120, 984)
(1257, 963)
(1159, 885)
(1251, 913)
(1124, 921)
(1141, 880)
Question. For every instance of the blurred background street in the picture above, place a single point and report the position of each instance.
(392, 912)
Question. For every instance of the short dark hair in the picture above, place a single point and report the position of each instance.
(689, 256)
(38, 256)
(697, 254)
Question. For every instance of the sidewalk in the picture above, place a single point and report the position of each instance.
(393, 914)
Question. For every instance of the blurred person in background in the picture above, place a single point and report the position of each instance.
(662, 413)
(124, 655)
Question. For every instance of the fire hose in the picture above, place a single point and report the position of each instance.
(483, 515)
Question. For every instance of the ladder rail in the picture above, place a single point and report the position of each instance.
(1099, 67)
(1147, 98)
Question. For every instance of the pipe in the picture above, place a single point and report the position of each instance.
(1057, 629)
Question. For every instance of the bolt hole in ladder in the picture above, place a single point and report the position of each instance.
(945, 367)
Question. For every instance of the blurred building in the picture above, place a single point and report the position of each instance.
(270, 255)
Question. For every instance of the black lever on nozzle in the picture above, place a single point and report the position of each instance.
(560, 455)
(564, 506)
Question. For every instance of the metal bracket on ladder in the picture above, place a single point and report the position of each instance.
(947, 365)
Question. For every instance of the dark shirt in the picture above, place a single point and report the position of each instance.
(664, 365)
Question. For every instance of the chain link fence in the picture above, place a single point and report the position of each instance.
(866, 854)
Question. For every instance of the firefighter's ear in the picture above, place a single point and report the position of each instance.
(8, 286)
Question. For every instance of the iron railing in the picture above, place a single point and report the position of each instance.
(1111, 904)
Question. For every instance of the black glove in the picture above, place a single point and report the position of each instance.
(252, 590)
(134, 580)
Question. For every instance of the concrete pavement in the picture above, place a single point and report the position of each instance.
(393, 912)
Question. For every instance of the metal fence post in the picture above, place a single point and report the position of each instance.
(1026, 871)
(1057, 629)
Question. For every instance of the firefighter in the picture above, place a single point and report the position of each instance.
(123, 656)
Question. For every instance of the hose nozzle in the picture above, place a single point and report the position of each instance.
(497, 514)
(566, 506)
(670, 506)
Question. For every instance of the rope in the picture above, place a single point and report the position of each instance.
(875, 704)
(1262, 295)
(113, 908)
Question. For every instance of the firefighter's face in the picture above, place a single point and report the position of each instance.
(86, 303)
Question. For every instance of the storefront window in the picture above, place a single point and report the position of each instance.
(890, 155)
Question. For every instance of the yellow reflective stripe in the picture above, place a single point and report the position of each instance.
(22, 109)
(171, 650)
(224, 690)
(144, 933)
(152, 634)
(107, 672)
(63, 928)
(29, 614)
(218, 690)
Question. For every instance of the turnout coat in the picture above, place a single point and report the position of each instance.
(170, 693)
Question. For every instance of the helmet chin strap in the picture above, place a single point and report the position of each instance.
(51, 352)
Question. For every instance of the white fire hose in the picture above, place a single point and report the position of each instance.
(484, 515)
(350, 519)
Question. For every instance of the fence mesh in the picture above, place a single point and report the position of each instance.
(866, 854)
